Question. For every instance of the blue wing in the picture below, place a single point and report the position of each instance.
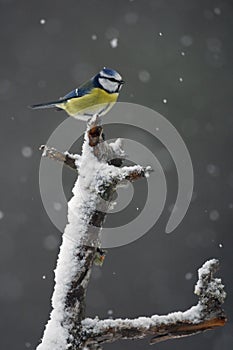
(71, 94)
(81, 91)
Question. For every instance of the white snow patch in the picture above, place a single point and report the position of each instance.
(96, 325)
(202, 272)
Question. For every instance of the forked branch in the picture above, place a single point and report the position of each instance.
(99, 172)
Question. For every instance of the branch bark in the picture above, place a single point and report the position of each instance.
(98, 176)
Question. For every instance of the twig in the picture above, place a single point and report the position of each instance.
(66, 158)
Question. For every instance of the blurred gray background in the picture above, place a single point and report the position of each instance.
(176, 57)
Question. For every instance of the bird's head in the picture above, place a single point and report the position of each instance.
(110, 80)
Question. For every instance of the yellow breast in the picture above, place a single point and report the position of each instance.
(97, 101)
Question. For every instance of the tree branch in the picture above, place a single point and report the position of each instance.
(206, 315)
(97, 180)
(66, 158)
(93, 190)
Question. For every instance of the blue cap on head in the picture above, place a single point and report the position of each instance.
(110, 73)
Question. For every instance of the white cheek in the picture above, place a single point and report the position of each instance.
(108, 85)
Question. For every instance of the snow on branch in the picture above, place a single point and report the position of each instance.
(97, 179)
(99, 171)
(66, 158)
(206, 315)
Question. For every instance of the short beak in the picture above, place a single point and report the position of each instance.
(122, 82)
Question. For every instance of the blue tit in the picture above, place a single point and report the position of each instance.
(96, 96)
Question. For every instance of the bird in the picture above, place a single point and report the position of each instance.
(96, 96)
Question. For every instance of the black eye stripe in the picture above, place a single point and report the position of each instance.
(111, 79)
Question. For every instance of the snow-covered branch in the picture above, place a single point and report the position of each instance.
(99, 172)
(66, 158)
(206, 315)
(95, 185)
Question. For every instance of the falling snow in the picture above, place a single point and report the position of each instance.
(51, 242)
(212, 169)
(110, 313)
(144, 76)
(42, 21)
(114, 43)
(214, 215)
(26, 152)
(186, 40)
(188, 276)
(57, 206)
(217, 11)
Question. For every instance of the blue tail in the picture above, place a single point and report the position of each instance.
(47, 105)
